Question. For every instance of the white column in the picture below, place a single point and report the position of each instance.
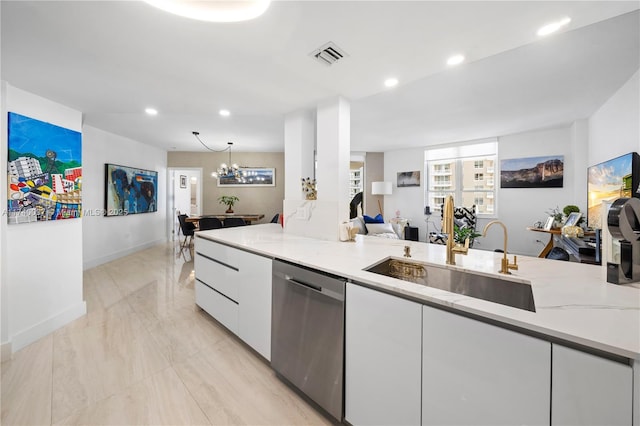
(334, 153)
(319, 218)
(299, 144)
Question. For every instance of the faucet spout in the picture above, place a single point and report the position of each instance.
(505, 264)
(448, 228)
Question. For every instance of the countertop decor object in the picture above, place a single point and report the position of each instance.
(309, 189)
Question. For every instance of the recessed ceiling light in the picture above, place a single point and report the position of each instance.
(214, 11)
(455, 60)
(151, 111)
(224, 112)
(553, 27)
(391, 82)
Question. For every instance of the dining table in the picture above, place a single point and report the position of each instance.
(248, 218)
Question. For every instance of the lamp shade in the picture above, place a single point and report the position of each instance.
(381, 188)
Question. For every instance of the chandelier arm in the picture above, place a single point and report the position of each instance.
(196, 134)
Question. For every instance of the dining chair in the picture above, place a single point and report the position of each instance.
(230, 222)
(209, 223)
(187, 228)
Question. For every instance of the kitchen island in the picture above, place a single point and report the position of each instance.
(575, 310)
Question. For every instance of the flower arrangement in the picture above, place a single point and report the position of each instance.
(309, 188)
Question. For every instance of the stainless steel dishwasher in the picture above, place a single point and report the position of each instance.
(307, 333)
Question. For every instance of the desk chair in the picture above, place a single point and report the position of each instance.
(231, 222)
(209, 223)
(187, 229)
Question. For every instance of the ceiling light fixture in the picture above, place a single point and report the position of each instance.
(151, 111)
(553, 27)
(224, 112)
(214, 11)
(455, 60)
(225, 170)
(391, 82)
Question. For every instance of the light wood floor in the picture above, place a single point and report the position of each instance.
(145, 354)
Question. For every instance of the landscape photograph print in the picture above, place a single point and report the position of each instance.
(532, 172)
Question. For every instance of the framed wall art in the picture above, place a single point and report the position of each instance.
(44, 171)
(129, 190)
(408, 179)
(532, 172)
(250, 176)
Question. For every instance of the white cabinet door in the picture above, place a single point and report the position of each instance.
(254, 315)
(478, 374)
(382, 358)
(589, 390)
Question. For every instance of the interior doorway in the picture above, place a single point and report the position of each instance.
(184, 196)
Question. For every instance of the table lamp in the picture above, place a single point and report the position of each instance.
(381, 188)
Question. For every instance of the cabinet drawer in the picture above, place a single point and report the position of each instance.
(216, 251)
(218, 275)
(218, 306)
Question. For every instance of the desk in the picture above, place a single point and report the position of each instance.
(554, 231)
(249, 218)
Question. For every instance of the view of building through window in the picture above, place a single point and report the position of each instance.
(466, 172)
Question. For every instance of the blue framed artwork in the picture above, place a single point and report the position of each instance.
(44, 171)
(129, 190)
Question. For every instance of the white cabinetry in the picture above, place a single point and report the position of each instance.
(590, 390)
(477, 373)
(382, 358)
(234, 287)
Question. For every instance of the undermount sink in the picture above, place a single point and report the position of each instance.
(497, 290)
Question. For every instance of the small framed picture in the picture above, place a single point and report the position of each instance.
(548, 224)
(573, 219)
(183, 181)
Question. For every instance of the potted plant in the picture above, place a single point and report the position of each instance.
(229, 201)
(460, 234)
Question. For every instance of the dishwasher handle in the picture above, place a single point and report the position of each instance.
(322, 290)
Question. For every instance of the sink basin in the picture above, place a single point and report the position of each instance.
(497, 290)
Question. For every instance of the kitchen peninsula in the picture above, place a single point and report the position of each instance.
(582, 341)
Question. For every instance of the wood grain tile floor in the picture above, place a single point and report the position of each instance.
(145, 354)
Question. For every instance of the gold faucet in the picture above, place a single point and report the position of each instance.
(505, 265)
(447, 228)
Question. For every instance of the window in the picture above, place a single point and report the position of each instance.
(464, 171)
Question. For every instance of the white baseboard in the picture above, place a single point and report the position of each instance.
(5, 351)
(43, 328)
(92, 263)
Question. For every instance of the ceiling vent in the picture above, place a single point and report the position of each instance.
(329, 54)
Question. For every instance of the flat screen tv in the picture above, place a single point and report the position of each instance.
(608, 181)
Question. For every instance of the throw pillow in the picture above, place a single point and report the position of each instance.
(377, 219)
(379, 228)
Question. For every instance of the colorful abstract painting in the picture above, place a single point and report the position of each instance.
(130, 190)
(44, 171)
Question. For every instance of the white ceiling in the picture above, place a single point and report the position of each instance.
(111, 59)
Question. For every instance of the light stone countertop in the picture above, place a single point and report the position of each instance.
(573, 301)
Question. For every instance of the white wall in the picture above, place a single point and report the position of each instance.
(517, 208)
(614, 129)
(42, 261)
(521, 207)
(108, 238)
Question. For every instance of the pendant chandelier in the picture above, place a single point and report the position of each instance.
(225, 170)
